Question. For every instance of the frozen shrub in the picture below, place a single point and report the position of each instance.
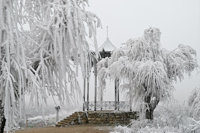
(174, 118)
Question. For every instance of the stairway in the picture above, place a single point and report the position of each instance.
(99, 117)
(73, 118)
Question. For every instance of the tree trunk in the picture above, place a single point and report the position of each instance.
(2, 117)
(151, 106)
(3, 123)
(149, 114)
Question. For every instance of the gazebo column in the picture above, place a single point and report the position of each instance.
(88, 93)
(84, 84)
(95, 84)
(101, 98)
(116, 94)
(130, 101)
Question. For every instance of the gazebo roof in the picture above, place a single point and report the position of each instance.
(107, 46)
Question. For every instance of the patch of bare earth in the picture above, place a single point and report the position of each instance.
(84, 128)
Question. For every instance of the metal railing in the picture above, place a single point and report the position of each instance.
(108, 105)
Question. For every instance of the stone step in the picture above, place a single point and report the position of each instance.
(66, 121)
(72, 117)
(75, 115)
(63, 123)
(59, 125)
(80, 113)
(83, 119)
(69, 118)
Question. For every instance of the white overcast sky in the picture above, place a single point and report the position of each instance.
(178, 21)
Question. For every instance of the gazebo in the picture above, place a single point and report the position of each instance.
(105, 50)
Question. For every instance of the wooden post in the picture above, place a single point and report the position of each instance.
(26, 123)
(57, 113)
(95, 84)
(84, 84)
(88, 93)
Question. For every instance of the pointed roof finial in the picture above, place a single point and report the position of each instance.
(107, 31)
(107, 45)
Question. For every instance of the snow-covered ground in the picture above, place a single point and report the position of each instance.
(174, 118)
(52, 117)
(34, 117)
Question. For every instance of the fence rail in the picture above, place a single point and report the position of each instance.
(108, 105)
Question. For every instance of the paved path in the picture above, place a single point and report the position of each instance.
(84, 128)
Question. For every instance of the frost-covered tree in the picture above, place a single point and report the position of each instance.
(194, 103)
(13, 68)
(148, 69)
(40, 61)
(57, 28)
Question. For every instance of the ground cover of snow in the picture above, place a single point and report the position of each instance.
(35, 118)
(175, 118)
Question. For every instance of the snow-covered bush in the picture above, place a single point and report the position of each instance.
(148, 129)
(194, 103)
(175, 115)
(174, 118)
